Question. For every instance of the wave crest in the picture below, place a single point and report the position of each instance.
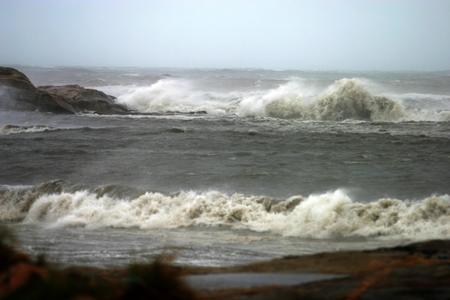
(170, 95)
(345, 99)
(348, 99)
(332, 214)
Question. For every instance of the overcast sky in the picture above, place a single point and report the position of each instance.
(277, 34)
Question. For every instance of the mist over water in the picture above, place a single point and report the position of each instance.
(327, 215)
(294, 98)
(252, 159)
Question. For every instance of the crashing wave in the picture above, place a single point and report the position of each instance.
(170, 95)
(348, 99)
(327, 215)
(345, 99)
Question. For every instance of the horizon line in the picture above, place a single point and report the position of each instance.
(74, 66)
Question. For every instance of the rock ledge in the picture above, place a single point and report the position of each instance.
(18, 93)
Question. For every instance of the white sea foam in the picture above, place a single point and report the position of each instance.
(424, 106)
(421, 96)
(345, 99)
(169, 95)
(15, 129)
(116, 90)
(331, 214)
(18, 129)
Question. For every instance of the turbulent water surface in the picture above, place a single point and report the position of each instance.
(229, 166)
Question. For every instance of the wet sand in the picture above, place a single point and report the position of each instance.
(220, 281)
(419, 271)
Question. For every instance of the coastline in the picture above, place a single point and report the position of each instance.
(234, 150)
(415, 269)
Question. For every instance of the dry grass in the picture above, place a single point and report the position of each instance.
(24, 278)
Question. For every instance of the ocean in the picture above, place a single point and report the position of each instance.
(228, 166)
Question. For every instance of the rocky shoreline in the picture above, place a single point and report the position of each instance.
(420, 271)
(416, 271)
(17, 92)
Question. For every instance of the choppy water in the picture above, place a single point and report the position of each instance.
(368, 153)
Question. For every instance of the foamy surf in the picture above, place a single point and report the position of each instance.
(19, 129)
(170, 95)
(16, 129)
(328, 215)
(345, 99)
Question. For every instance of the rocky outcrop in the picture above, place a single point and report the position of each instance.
(18, 93)
(85, 100)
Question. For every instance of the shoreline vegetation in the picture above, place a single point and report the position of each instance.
(420, 269)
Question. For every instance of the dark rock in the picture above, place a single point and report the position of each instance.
(18, 93)
(85, 100)
(14, 78)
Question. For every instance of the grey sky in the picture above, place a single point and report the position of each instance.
(279, 34)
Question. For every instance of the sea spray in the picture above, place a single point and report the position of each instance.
(170, 95)
(327, 215)
(348, 99)
(345, 99)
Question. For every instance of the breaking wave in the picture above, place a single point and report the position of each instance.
(345, 99)
(170, 95)
(327, 215)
